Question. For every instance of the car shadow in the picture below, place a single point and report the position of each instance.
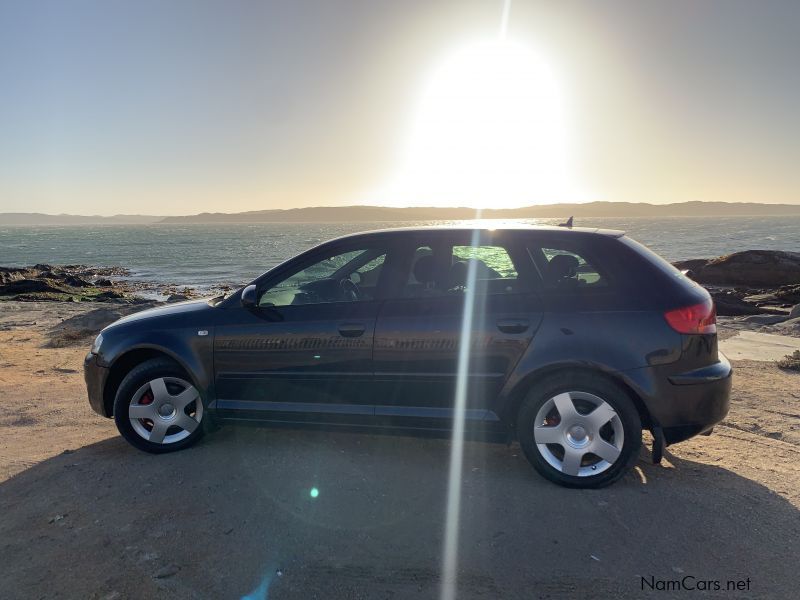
(282, 513)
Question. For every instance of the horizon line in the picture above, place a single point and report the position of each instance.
(400, 208)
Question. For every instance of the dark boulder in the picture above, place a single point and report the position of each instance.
(101, 282)
(769, 268)
(790, 294)
(29, 286)
(75, 281)
(12, 274)
(730, 305)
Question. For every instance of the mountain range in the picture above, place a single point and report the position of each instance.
(388, 214)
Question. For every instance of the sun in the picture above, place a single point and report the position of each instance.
(489, 130)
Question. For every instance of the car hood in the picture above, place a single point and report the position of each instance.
(179, 308)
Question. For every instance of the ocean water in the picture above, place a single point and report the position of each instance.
(206, 256)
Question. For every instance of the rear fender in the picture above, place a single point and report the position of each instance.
(591, 342)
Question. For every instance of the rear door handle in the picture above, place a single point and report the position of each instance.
(513, 325)
(352, 329)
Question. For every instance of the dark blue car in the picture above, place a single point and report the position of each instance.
(569, 340)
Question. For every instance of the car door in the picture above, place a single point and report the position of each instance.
(305, 351)
(419, 329)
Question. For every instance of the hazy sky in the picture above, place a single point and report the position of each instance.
(182, 107)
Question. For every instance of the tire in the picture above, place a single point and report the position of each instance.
(602, 419)
(158, 409)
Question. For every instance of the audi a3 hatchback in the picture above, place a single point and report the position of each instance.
(574, 340)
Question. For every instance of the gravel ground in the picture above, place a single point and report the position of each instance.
(84, 515)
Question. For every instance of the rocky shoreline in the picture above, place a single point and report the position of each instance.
(82, 283)
(752, 282)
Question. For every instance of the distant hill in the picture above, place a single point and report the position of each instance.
(592, 209)
(329, 214)
(43, 219)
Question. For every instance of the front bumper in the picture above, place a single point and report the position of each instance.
(685, 404)
(95, 377)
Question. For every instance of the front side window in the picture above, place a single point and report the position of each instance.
(346, 277)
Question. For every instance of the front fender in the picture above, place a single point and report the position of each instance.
(185, 345)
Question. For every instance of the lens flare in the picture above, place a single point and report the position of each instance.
(471, 321)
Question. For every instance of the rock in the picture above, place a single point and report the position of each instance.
(788, 293)
(730, 305)
(73, 281)
(691, 266)
(178, 298)
(764, 298)
(81, 328)
(109, 295)
(38, 298)
(28, 286)
(103, 282)
(764, 319)
(795, 312)
(770, 268)
(166, 571)
(790, 326)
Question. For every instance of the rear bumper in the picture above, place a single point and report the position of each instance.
(685, 404)
(95, 377)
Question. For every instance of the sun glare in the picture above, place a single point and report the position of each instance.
(489, 131)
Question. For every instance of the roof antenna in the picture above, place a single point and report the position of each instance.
(568, 223)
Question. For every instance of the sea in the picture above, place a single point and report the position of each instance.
(206, 257)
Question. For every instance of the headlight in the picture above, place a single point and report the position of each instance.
(96, 344)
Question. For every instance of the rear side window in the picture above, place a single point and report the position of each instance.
(493, 261)
(568, 269)
(443, 270)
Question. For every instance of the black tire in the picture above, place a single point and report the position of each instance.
(133, 383)
(588, 385)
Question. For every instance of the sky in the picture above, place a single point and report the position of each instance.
(181, 107)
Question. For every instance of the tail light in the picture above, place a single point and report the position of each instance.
(697, 318)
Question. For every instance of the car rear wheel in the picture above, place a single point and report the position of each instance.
(579, 430)
(158, 409)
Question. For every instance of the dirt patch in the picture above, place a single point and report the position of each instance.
(83, 327)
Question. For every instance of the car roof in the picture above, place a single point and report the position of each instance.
(400, 231)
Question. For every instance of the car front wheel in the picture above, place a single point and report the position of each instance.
(579, 430)
(157, 409)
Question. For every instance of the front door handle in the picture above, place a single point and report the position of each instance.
(352, 329)
(513, 325)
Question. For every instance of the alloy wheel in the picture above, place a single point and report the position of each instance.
(578, 433)
(165, 410)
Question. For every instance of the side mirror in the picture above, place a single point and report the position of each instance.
(249, 297)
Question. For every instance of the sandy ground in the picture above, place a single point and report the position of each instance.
(84, 515)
